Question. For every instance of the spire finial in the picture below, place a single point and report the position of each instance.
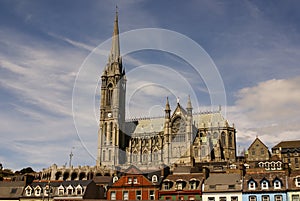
(115, 49)
(167, 105)
(189, 103)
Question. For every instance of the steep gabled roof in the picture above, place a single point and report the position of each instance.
(133, 170)
(259, 141)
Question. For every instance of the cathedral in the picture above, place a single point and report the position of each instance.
(179, 137)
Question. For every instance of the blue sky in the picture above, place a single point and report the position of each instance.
(254, 44)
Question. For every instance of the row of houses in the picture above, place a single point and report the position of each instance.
(183, 183)
(259, 176)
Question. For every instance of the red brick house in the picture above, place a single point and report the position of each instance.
(136, 185)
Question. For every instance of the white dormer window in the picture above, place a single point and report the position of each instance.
(70, 190)
(251, 185)
(277, 184)
(154, 178)
(37, 191)
(264, 184)
(61, 190)
(297, 181)
(129, 180)
(115, 178)
(28, 190)
(179, 186)
(78, 190)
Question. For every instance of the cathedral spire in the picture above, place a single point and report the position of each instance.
(115, 48)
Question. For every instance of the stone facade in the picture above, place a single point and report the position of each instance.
(180, 137)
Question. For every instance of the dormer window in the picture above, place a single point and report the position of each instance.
(264, 184)
(251, 185)
(61, 190)
(69, 190)
(135, 181)
(37, 191)
(78, 190)
(179, 186)
(129, 180)
(115, 178)
(277, 184)
(297, 181)
(154, 178)
(193, 185)
(28, 191)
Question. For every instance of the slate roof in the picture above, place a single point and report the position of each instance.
(223, 182)
(270, 176)
(11, 189)
(288, 144)
(152, 126)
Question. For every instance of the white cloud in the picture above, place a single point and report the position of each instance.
(269, 110)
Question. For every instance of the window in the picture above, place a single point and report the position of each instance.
(154, 178)
(103, 157)
(78, 190)
(113, 195)
(61, 191)
(203, 152)
(193, 185)
(212, 186)
(253, 151)
(145, 157)
(135, 181)
(111, 132)
(231, 186)
(223, 139)
(115, 178)
(277, 184)
(38, 191)
(28, 191)
(234, 198)
(151, 195)
(278, 198)
(230, 137)
(155, 156)
(295, 197)
(179, 186)
(138, 195)
(125, 195)
(109, 155)
(265, 198)
(129, 180)
(251, 185)
(105, 133)
(109, 94)
(222, 198)
(262, 151)
(264, 184)
(211, 198)
(167, 186)
(252, 198)
(196, 154)
(298, 181)
(69, 190)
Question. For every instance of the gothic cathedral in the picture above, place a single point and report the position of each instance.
(180, 137)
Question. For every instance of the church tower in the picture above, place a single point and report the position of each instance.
(111, 136)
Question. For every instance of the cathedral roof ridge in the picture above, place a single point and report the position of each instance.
(131, 119)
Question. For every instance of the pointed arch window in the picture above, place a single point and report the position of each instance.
(223, 139)
(104, 133)
(230, 140)
(109, 94)
(111, 132)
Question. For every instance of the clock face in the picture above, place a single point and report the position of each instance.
(109, 114)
